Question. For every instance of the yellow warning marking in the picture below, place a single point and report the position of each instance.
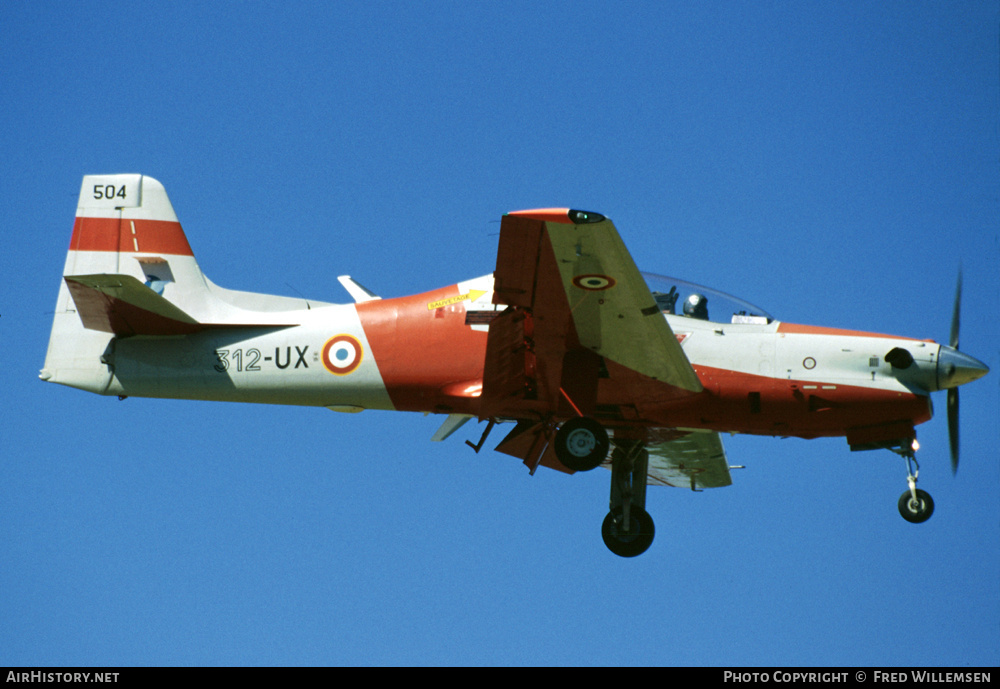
(471, 296)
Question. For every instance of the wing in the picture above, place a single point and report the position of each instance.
(694, 460)
(579, 310)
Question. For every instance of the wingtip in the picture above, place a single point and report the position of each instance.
(566, 216)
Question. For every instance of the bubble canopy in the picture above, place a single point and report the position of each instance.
(685, 298)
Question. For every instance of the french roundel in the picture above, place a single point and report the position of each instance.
(594, 282)
(342, 354)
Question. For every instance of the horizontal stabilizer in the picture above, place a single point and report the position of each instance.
(122, 305)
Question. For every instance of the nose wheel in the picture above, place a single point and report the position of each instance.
(915, 505)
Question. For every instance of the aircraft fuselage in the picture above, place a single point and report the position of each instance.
(425, 353)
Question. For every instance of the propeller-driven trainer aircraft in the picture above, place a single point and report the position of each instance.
(593, 362)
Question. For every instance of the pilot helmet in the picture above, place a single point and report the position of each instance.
(696, 306)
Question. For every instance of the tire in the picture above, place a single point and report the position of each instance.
(581, 444)
(634, 541)
(916, 511)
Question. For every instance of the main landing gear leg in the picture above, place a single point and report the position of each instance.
(915, 505)
(628, 530)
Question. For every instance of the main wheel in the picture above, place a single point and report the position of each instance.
(916, 511)
(581, 444)
(631, 541)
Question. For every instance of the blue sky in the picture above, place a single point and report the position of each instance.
(832, 162)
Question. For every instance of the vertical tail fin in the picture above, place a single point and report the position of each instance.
(130, 271)
(125, 231)
(125, 225)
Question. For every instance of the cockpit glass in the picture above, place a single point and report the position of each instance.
(697, 301)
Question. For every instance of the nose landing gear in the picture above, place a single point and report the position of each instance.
(915, 505)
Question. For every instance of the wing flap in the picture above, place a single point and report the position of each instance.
(517, 261)
(694, 460)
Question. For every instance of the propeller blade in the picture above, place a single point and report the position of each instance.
(956, 318)
(953, 427)
(956, 312)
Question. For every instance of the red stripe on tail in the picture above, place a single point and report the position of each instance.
(129, 236)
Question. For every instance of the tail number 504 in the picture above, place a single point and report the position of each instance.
(109, 191)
